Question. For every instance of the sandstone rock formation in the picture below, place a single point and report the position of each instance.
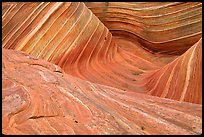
(164, 27)
(39, 98)
(110, 59)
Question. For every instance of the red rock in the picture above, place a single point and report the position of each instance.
(180, 79)
(112, 66)
(163, 27)
(39, 100)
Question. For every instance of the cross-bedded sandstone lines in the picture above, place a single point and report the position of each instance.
(52, 30)
(180, 79)
(163, 27)
(39, 98)
(120, 68)
(71, 36)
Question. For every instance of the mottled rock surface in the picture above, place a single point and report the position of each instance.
(39, 98)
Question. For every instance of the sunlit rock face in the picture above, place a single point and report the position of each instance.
(78, 68)
(39, 98)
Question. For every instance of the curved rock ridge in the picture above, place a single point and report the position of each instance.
(39, 98)
(180, 79)
(69, 35)
(55, 31)
(163, 27)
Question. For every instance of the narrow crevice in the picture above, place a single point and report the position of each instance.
(36, 117)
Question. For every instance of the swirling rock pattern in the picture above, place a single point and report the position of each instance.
(48, 101)
(149, 51)
(179, 78)
(82, 46)
(164, 27)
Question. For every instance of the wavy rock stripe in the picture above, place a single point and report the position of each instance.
(39, 98)
(51, 30)
(179, 80)
(68, 34)
(162, 27)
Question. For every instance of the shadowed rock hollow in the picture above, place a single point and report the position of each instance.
(75, 68)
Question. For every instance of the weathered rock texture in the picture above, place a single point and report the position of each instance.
(153, 54)
(39, 98)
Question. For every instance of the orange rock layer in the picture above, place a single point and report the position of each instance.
(164, 27)
(39, 98)
(148, 54)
